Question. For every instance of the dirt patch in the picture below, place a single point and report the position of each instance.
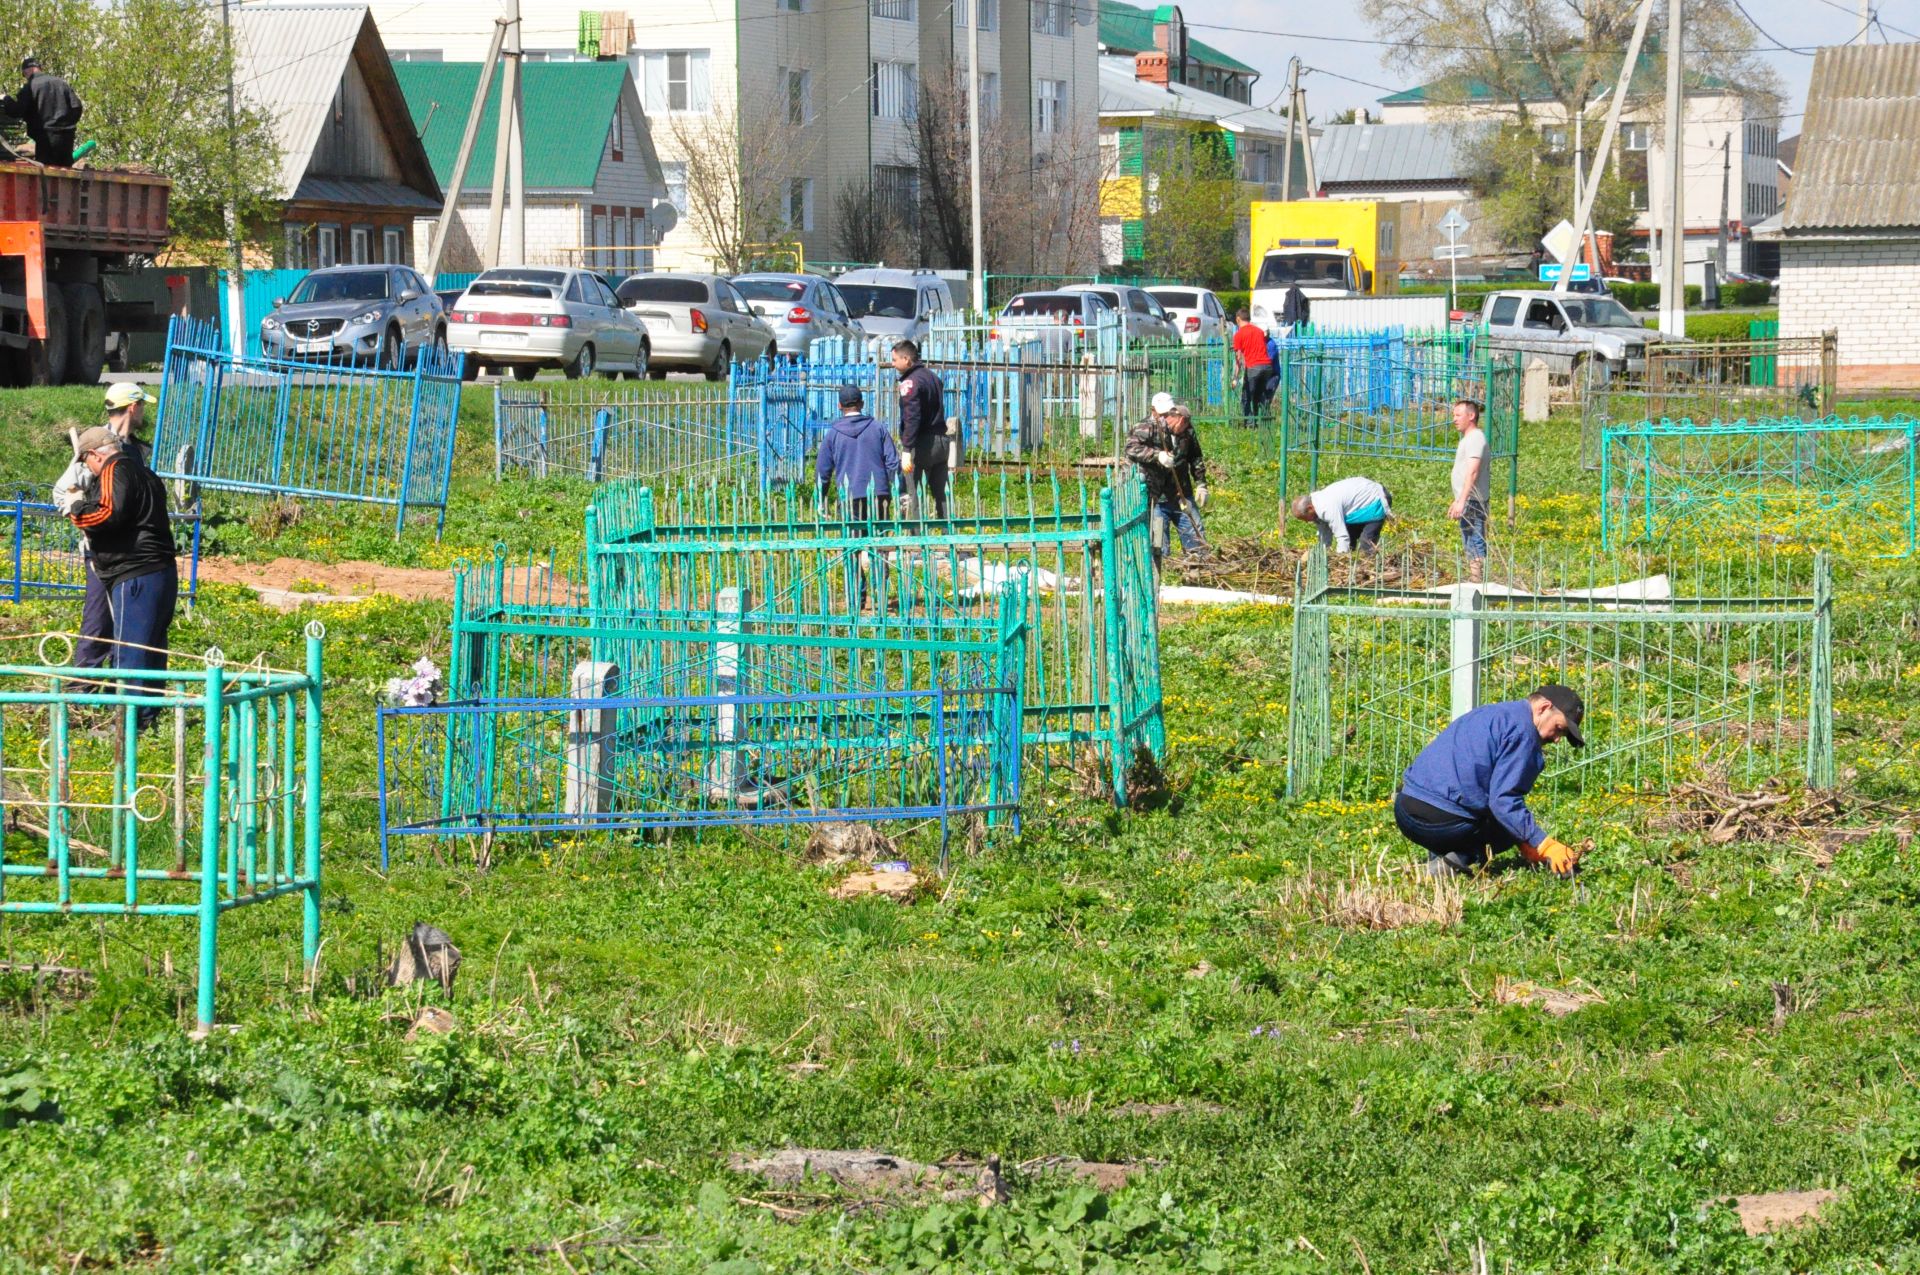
(901, 887)
(1165, 1110)
(1102, 1175)
(875, 1175)
(1557, 1002)
(1780, 1210)
(290, 581)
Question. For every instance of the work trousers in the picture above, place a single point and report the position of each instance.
(1363, 536)
(53, 147)
(1184, 517)
(94, 649)
(1462, 843)
(930, 472)
(142, 619)
(1256, 389)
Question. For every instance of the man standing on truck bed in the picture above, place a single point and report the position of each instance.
(51, 111)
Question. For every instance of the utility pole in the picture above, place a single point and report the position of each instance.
(503, 140)
(973, 152)
(459, 180)
(236, 286)
(1286, 160)
(1866, 19)
(1726, 178)
(1673, 255)
(1298, 108)
(517, 148)
(1583, 211)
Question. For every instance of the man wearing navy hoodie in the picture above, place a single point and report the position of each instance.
(860, 463)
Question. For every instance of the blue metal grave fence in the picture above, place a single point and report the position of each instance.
(578, 718)
(316, 430)
(1093, 675)
(45, 551)
(659, 432)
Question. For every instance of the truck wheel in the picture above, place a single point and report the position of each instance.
(86, 332)
(53, 362)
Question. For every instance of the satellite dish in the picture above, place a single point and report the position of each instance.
(663, 217)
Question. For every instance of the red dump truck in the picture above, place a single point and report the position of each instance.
(61, 229)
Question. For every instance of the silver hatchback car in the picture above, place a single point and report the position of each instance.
(696, 322)
(802, 308)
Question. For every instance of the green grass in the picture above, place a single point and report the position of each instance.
(631, 1010)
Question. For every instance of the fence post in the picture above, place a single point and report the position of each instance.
(1465, 627)
(597, 456)
(310, 911)
(406, 459)
(215, 710)
(1110, 605)
(1820, 680)
(590, 730)
(728, 737)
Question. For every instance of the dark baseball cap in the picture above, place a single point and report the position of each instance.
(1564, 699)
(29, 61)
(850, 396)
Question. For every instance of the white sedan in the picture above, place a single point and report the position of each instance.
(1196, 313)
(526, 318)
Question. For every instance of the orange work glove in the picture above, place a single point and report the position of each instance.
(1553, 852)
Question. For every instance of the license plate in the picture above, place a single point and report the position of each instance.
(658, 325)
(509, 340)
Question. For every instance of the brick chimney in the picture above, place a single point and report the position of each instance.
(1150, 68)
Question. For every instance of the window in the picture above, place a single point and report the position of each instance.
(297, 253)
(1555, 136)
(393, 245)
(551, 55)
(800, 204)
(1050, 105)
(895, 90)
(1503, 312)
(679, 80)
(362, 241)
(675, 171)
(416, 55)
(619, 142)
(1053, 17)
(799, 96)
(896, 188)
(1635, 137)
(900, 9)
(989, 96)
(1637, 198)
(794, 6)
(989, 14)
(327, 240)
(1544, 316)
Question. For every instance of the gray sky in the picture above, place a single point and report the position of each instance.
(1800, 23)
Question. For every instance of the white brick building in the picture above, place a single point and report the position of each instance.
(840, 75)
(1850, 234)
(596, 195)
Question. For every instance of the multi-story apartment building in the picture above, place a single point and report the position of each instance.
(1718, 119)
(819, 95)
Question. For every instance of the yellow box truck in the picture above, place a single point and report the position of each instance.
(1329, 247)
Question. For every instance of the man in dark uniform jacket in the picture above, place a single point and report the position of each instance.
(923, 425)
(51, 111)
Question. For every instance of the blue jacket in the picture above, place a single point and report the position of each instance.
(1484, 762)
(858, 456)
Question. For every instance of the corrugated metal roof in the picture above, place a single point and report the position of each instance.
(568, 107)
(1122, 93)
(361, 192)
(1859, 157)
(1375, 154)
(289, 61)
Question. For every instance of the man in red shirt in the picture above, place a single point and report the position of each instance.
(1256, 365)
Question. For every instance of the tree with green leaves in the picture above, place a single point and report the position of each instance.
(153, 75)
(1525, 185)
(1193, 203)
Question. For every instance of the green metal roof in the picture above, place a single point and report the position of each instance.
(1125, 28)
(1647, 79)
(568, 107)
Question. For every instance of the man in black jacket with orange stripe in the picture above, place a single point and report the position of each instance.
(132, 545)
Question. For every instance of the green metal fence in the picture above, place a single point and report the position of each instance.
(1085, 553)
(1843, 484)
(1690, 668)
(1392, 397)
(220, 811)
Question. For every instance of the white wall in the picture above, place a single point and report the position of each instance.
(1868, 291)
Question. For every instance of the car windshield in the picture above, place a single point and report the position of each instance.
(1278, 271)
(1109, 296)
(360, 285)
(771, 289)
(1055, 305)
(1599, 312)
(871, 301)
(683, 291)
(1175, 300)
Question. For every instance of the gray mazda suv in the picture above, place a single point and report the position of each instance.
(382, 316)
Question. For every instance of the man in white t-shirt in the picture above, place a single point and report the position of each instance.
(1470, 485)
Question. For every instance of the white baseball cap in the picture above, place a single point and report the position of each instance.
(1163, 402)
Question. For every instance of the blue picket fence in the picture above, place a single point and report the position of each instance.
(318, 430)
(45, 554)
(607, 432)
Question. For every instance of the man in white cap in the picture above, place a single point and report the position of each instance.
(1167, 451)
(77, 492)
